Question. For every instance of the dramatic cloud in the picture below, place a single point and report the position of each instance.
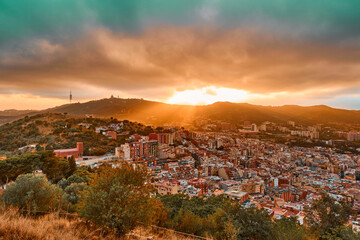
(153, 49)
(181, 58)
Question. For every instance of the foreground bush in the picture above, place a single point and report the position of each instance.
(118, 198)
(33, 193)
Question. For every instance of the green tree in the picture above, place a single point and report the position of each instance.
(289, 228)
(188, 222)
(202, 207)
(250, 223)
(326, 214)
(72, 164)
(14, 166)
(118, 198)
(33, 193)
(342, 233)
(75, 178)
(73, 195)
(196, 215)
(220, 227)
(55, 168)
(173, 203)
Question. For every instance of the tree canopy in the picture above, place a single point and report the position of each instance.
(33, 193)
(326, 214)
(118, 198)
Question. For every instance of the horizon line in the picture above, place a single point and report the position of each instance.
(184, 104)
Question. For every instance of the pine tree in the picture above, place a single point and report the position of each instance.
(72, 164)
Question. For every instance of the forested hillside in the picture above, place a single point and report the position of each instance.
(51, 131)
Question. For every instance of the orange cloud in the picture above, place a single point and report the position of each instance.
(162, 61)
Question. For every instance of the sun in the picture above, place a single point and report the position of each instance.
(208, 95)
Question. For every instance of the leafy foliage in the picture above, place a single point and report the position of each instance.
(342, 233)
(55, 168)
(80, 176)
(250, 223)
(33, 193)
(217, 216)
(202, 207)
(326, 214)
(73, 195)
(289, 228)
(118, 198)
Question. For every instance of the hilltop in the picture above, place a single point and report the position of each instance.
(55, 131)
(161, 113)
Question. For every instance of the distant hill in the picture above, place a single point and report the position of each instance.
(161, 113)
(151, 112)
(234, 112)
(12, 114)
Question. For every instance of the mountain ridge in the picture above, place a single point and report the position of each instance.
(163, 113)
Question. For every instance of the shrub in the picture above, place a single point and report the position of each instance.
(118, 198)
(33, 193)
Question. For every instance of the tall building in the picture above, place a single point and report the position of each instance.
(163, 138)
(123, 152)
(152, 149)
(141, 149)
(353, 136)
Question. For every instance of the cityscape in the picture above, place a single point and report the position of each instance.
(280, 168)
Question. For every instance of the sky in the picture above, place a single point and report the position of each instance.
(264, 52)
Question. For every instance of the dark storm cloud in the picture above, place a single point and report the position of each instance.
(178, 58)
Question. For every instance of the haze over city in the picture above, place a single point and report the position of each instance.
(181, 52)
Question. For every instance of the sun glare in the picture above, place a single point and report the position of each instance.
(208, 95)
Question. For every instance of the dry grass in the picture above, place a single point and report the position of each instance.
(50, 227)
(14, 226)
(144, 233)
